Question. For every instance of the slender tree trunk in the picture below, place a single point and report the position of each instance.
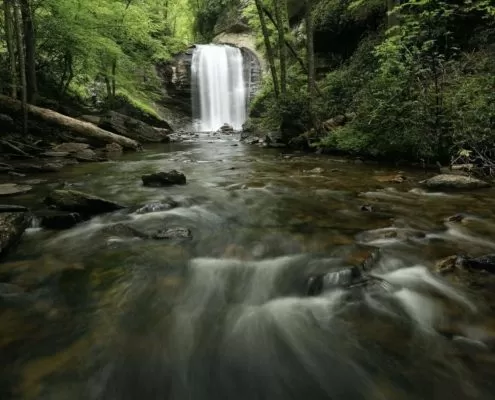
(114, 70)
(69, 60)
(22, 65)
(9, 38)
(312, 90)
(30, 41)
(280, 11)
(268, 48)
(310, 50)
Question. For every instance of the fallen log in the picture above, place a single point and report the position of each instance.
(84, 129)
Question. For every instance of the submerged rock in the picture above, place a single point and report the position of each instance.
(459, 182)
(11, 189)
(399, 178)
(123, 231)
(164, 178)
(52, 219)
(173, 233)
(79, 202)
(165, 205)
(12, 226)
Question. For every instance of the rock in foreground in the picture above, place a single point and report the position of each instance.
(79, 202)
(11, 189)
(12, 226)
(164, 178)
(52, 219)
(454, 182)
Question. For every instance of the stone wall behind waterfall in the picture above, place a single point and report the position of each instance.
(176, 75)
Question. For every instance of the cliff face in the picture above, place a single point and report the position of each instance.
(176, 75)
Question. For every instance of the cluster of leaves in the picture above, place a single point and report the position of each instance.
(207, 14)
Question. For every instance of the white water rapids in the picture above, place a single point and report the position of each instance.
(219, 90)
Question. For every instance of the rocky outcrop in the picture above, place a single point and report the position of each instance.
(176, 74)
(12, 226)
(79, 202)
(164, 178)
(130, 127)
(454, 182)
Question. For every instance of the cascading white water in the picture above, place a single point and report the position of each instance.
(219, 90)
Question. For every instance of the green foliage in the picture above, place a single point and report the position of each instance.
(81, 44)
(420, 96)
(206, 16)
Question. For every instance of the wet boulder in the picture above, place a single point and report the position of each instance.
(86, 155)
(157, 206)
(459, 262)
(344, 277)
(173, 233)
(114, 148)
(454, 182)
(79, 202)
(483, 263)
(164, 178)
(12, 226)
(123, 231)
(53, 219)
(226, 129)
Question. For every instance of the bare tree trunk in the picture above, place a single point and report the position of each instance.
(114, 69)
(71, 73)
(268, 48)
(30, 42)
(9, 38)
(280, 11)
(22, 65)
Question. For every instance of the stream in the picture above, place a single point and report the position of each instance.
(224, 314)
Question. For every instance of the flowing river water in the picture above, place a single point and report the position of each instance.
(225, 314)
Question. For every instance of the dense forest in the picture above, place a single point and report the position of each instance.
(411, 81)
(389, 79)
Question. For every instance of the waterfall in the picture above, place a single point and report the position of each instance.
(219, 91)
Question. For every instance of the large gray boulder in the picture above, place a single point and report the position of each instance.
(454, 182)
(79, 202)
(12, 226)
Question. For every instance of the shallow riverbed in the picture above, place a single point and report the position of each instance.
(224, 315)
